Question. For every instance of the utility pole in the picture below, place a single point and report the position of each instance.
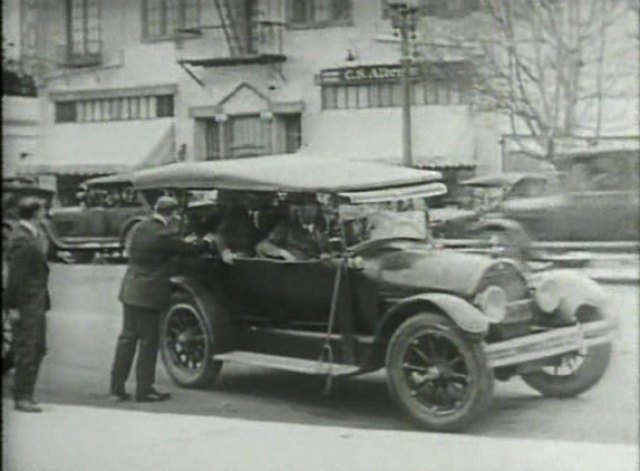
(403, 19)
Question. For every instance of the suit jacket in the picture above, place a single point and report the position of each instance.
(28, 269)
(146, 282)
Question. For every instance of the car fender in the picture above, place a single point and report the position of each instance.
(499, 223)
(577, 290)
(128, 225)
(217, 315)
(466, 316)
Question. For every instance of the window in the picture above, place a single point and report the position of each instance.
(65, 112)
(212, 140)
(83, 31)
(164, 106)
(389, 94)
(248, 136)
(163, 18)
(293, 132)
(440, 8)
(318, 13)
(115, 109)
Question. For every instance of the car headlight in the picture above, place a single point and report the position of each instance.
(547, 296)
(493, 303)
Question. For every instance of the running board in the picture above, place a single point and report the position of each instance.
(287, 363)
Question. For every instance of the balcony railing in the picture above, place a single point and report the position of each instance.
(220, 45)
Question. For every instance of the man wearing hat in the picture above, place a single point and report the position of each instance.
(145, 293)
(28, 294)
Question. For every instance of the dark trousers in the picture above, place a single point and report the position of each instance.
(140, 326)
(29, 344)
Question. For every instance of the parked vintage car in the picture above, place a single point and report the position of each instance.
(443, 323)
(593, 197)
(103, 220)
(13, 189)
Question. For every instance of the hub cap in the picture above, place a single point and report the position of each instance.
(436, 373)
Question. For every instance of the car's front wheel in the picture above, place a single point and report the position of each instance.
(187, 344)
(437, 375)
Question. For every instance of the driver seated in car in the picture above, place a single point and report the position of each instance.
(289, 240)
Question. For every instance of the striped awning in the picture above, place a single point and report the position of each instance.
(100, 148)
(395, 194)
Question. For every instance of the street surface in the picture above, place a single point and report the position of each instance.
(85, 322)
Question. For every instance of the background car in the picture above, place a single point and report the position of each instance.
(592, 198)
(444, 324)
(109, 208)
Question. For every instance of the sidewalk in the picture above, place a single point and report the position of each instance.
(69, 438)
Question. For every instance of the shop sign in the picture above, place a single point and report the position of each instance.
(363, 74)
(387, 73)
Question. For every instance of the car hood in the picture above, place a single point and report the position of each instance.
(66, 210)
(411, 268)
(531, 204)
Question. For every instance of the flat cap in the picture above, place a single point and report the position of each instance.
(166, 203)
(30, 203)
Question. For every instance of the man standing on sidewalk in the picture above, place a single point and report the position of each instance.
(145, 294)
(27, 293)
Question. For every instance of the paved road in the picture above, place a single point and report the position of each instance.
(86, 319)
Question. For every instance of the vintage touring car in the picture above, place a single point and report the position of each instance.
(102, 222)
(378, 295)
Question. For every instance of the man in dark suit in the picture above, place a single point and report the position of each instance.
(145, 293)
(28, 295)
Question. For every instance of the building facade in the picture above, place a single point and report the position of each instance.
(19, 102)
(133, 83)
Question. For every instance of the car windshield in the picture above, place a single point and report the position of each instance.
(388, 220)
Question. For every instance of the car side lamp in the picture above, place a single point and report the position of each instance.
(547, 296)
(493, 303)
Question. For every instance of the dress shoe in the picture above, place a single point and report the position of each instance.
(152, 396)
(24, 405)
(120, 396)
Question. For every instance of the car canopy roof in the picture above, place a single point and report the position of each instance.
(118, 179)
(506, 179)
(283, 173)
(25, 186)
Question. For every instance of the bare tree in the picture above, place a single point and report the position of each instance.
(551, 66)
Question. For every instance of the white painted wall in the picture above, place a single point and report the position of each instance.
(19, 130)
(440, 134)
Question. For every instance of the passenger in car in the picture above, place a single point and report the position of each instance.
(289, 240)
(236, 234)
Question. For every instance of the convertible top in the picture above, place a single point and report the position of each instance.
(25, 186)
(282, 173)
(120, 178)
(506, 179)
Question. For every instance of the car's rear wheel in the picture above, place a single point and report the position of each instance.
(438, 376)
(573, 373)
(187, 344)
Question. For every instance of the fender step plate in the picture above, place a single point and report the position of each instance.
(287, 363)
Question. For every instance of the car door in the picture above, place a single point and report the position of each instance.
(282, 292)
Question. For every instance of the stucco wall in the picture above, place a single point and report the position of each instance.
(19, 130)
